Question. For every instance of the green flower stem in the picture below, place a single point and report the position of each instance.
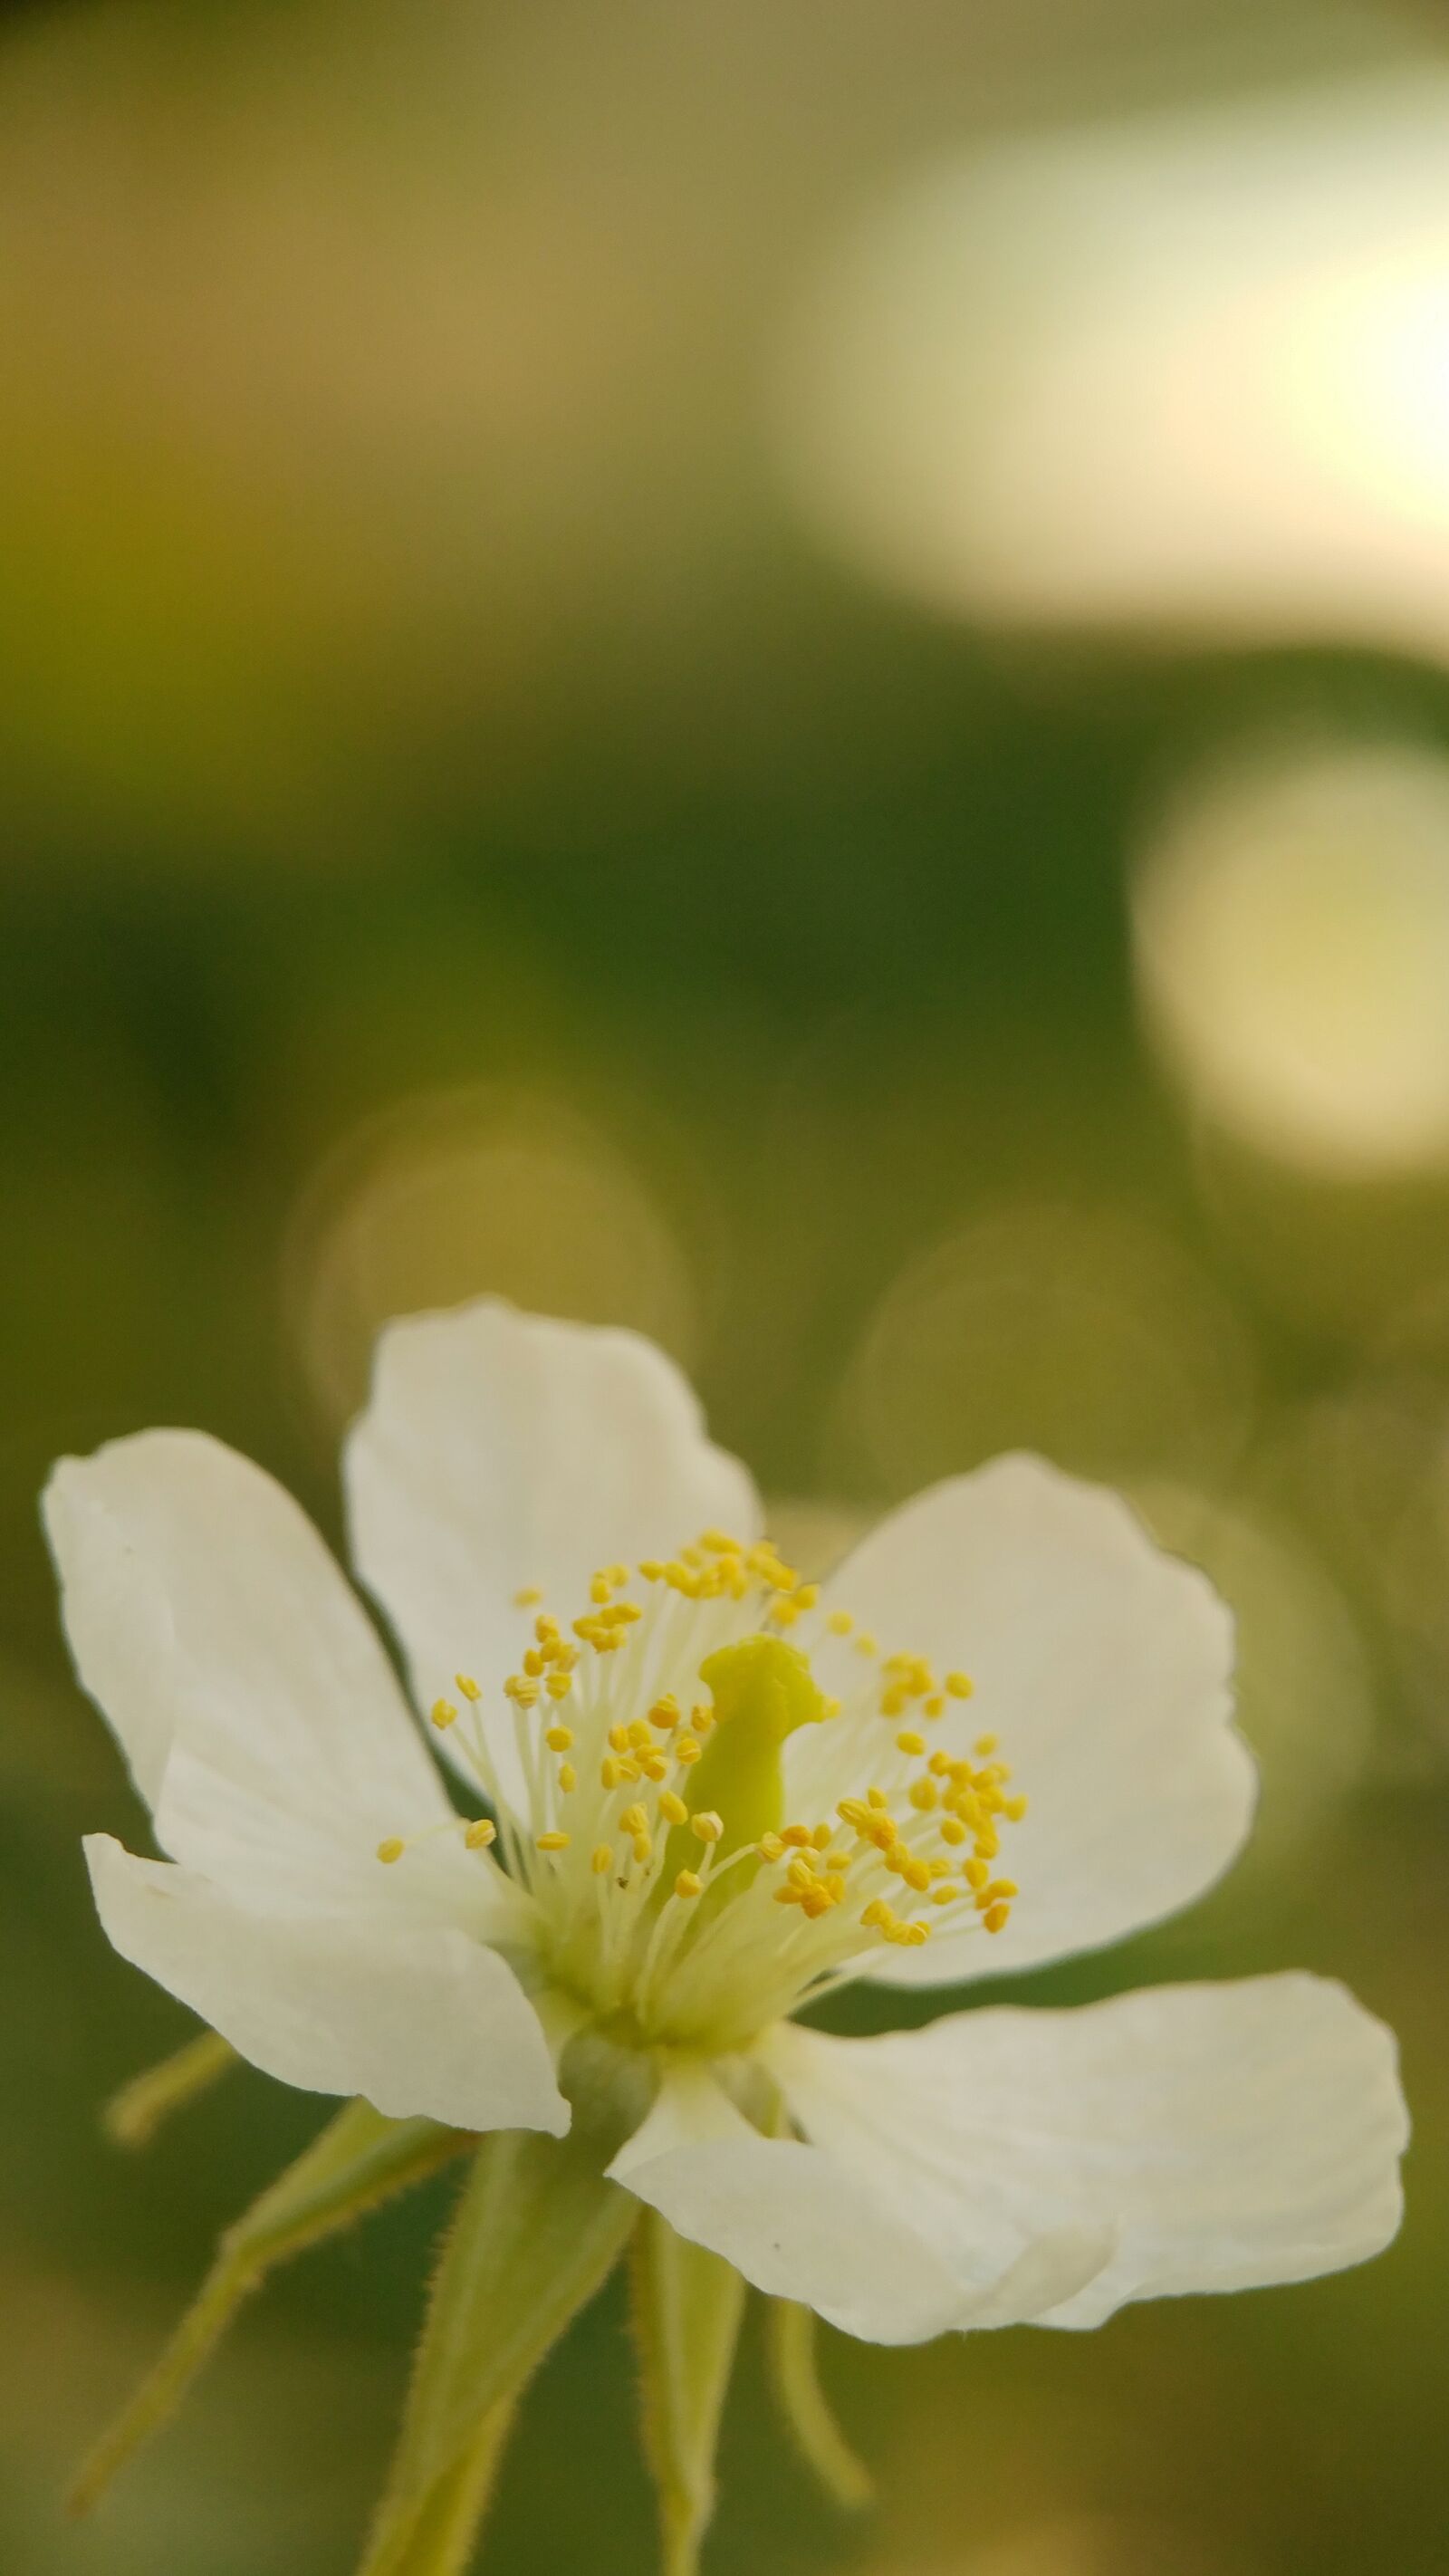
(359, 2160)
(134, 2113)
(537, 2231)
(687, 2306)
(441, 2543)
(790, 2334)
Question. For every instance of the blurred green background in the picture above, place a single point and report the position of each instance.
(779, 672)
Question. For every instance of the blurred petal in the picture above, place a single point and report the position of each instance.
(1103, 1665)
(1224, 2136)
(802, 2225)
(419, 2019)
(259, 1713)
(503, 1452)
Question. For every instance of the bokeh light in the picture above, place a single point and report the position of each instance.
(1188, 372)
(1080, 1330)
(458, 1194)
(1292, 942)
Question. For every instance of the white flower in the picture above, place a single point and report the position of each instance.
(711, 1795)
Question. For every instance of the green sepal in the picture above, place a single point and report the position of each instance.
(790, 2341)
(687, 2304)
(136, 2111)
(537, 2231)
(359, 2160)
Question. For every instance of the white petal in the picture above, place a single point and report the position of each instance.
(502, 1451)
(1226, 2136)
(1103, 1665)
(801, 2225)
(418, 2018)
(260, 1715)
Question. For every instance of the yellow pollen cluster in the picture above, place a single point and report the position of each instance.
(669, 1905)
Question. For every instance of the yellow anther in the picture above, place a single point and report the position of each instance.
(639, 1737)
(935, 1705)
(533, 1664)
(988, 1843)
(568, 1777)
(600, 1588)
(796, 1836)
(960, 1685)
(986, 1744)
(952, 1830)
(975, 1873)
(878, 1914)
(840, 1623)
(801, 1872)
(686, 1749)
(1002, 1887)
(771, 1847)
(525, 1599)
(943, 1896)
(897, 1859)
(480, 1835)
(643, 1849)
(909, 1742)
(665, 1713)
(392, 1849)
(619, 1739)
(673, 1808)
(612, 1771)
(559, 1738)
(466, 1684)
(909, 1936)
(634, 1820)
(552, 1842)
(601, 1859)
(442, 1713)
(709, 1826)
(821, 1837)
(688, 1883)
(701, 1718)
(917, 1874)
(996, 1917)
(877, 1797)
(924, 1795)
(651, 1569)
(1015, 1808)
(558, 1685)
(654, 1765)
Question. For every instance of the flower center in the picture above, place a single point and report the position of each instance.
(657, 1745)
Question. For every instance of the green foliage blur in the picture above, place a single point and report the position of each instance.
(458, 831)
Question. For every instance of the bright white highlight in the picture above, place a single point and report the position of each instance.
(1190, 373)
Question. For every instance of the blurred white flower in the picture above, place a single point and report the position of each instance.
(713, 1793)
